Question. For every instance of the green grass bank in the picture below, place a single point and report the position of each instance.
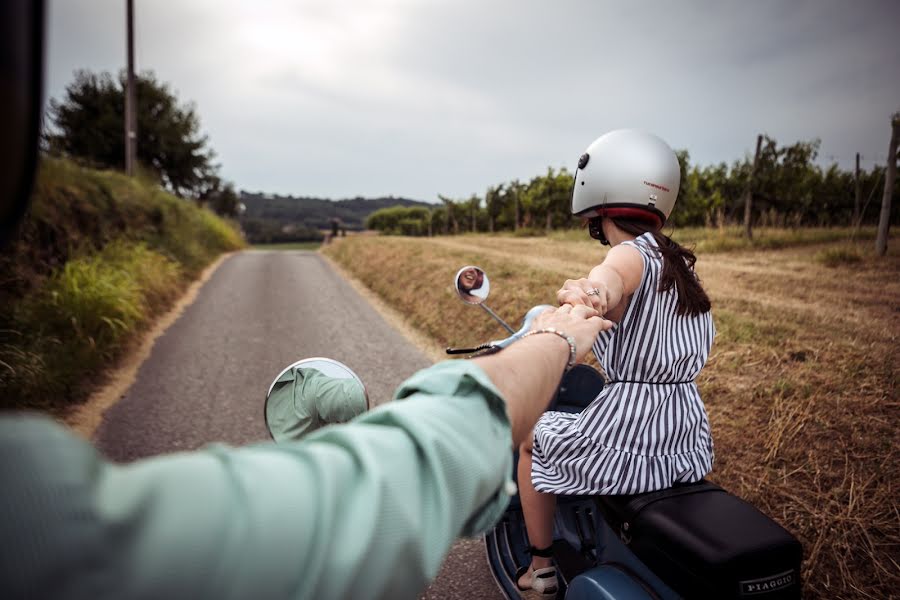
(98, 256)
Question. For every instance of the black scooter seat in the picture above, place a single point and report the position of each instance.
(705, 542)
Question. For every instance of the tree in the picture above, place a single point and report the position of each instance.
(400, 220)
(560, 190)
(225, 201)
(513, 204)
(473, 205)
(549, 196)
(453, 209)
(439, 220)
(88, 126)
(684, 195)
(494, 199)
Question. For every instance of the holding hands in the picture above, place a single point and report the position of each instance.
(584, 292)
(581, 321)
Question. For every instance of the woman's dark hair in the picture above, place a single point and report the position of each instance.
(677, 268)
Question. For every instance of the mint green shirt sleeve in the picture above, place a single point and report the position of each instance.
(363, 510)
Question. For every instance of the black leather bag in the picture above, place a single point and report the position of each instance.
(706, 543)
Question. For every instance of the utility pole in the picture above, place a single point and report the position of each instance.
(890, 176)
(858, 198)
(130, 96)
(748, 192)
(515, 187)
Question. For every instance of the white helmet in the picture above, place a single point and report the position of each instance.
(627, 173)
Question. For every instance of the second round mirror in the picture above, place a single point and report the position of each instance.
(472, 284)
(310, 394)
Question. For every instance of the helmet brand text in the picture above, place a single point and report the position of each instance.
(657, 186)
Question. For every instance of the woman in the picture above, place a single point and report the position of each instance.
(648, 429)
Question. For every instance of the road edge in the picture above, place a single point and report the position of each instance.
(86, 418)
(392, 316)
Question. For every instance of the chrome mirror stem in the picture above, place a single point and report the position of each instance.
(498, 319)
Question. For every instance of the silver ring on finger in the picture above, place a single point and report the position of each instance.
(593, 292)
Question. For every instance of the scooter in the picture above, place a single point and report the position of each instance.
(693, 540)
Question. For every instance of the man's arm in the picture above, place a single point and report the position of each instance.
(528, 372)
(363, 510)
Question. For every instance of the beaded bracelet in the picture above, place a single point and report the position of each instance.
(569, 340)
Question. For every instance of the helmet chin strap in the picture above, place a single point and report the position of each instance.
(595, 228)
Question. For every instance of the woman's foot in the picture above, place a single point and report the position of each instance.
(541, 580)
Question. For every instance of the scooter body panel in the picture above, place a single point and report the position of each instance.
(582, 543)
(605, 583)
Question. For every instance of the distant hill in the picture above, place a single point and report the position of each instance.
(273, 218)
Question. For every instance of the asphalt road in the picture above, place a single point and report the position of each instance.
(206, 378)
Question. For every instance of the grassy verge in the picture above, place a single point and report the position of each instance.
(99, 256)
(801, 387)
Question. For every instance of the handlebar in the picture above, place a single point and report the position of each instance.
(496, 345)
(530, 316)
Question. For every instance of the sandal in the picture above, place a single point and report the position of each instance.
(543, 580)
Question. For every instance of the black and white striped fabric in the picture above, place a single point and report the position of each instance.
(648, 428)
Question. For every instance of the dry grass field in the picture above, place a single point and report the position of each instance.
(801, 387)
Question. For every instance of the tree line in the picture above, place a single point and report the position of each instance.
(789, 189)
(272, 218)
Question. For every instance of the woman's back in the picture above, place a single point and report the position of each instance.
(652, 343)
(648, 429)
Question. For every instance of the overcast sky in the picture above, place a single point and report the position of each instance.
(414, 98)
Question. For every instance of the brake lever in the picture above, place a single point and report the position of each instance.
(469, 350)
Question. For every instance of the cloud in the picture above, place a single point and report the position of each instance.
(419, 97)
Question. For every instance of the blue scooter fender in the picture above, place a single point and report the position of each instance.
(605, 583)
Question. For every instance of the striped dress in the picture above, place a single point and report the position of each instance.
(648, 428)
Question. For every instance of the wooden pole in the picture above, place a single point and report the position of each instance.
(130, 97)
(857, 201)
(748, 192)
(890, 176)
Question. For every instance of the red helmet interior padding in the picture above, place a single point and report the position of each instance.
(631, 213)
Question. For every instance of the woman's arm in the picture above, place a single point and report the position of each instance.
(616, 279)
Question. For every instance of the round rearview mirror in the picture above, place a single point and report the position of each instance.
(310, 394)
(472, 285)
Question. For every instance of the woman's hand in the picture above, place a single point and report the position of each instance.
(584, 292)
(581, 322)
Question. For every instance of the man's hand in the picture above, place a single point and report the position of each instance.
(581, 322)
